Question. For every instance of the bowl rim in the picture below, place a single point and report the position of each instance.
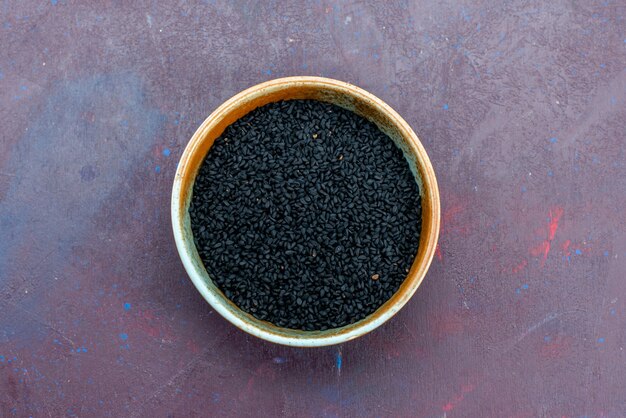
(303, 338)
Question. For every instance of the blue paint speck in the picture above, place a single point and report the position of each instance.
(518, 290)
(157, 169)
(127, 306)
(612, 311)
(472, 279)
(602, 65)
(268, 72)
(1, 75)
(547, 338)
(338, 360)
(123, 336)
(553, 140)
(279, 360)
(166, 152)
(606, 253)
(524, 286)
(23, 88)
(578, 252)
(601, 340)
(215, 397)
(445, 106)
(550, 173)
(54, 2)
(613, 100)
(1, 359)
(523, 189)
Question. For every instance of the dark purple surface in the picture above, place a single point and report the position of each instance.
(521, 107)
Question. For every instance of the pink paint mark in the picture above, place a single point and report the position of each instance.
(148, 323)
(521, 266)
(445, 325)
(555, 216)
(88, 116)
(391, 350)
(244, 394)
(448, 407)
(565, 248)
(556, 348)
(267, 371)
(458, 398)
(193, 347)
(543, 248)
(449, 224)
(540, 249)
(545, 252)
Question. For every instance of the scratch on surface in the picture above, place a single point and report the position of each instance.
(516, 340)
(536, 326)
(36, 319)
(181, 372)
(46, 257)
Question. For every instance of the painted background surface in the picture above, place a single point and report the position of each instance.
(520, 104)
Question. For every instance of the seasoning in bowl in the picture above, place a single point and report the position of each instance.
(306, 215)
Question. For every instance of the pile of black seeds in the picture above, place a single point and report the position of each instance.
(306, 215)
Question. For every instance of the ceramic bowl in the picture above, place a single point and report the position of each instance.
(346, 96)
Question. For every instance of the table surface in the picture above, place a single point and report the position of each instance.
(521, 106)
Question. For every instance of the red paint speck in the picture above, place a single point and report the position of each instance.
(449, 224)
(519, 267)
(447, 324)
(540, 249)
(565, 247)
(543, 248)
(555, 216)
(456, 399)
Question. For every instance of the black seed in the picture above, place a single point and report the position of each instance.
(306, 215)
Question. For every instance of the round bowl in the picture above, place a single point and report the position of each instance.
(346, 96)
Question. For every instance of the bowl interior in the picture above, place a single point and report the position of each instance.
(346, 96)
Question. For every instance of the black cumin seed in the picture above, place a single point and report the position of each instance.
(294, 204)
